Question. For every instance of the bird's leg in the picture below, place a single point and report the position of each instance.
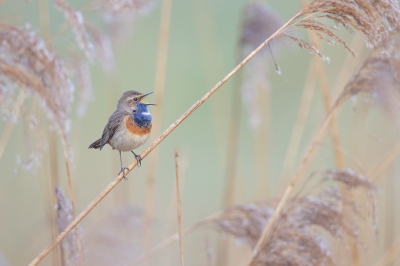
(122, 168)
(138, 158)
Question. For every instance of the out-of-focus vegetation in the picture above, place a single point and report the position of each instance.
(270, 118)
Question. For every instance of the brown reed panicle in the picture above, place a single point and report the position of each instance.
(258, 23)
(379, 76)
(299, 236)
(117, 238)
(27, 63)
(65, 216)
(371, 17)
(75, 19)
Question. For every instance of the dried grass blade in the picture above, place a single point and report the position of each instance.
(159, 87)
(178, 192)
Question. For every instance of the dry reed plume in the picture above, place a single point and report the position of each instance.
(379, 76)
(298, 237)
(259, 23)
(65, 215)
(372, 18)
(26, 62)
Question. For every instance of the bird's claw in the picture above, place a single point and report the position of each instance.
(138, 159)
(123, 172)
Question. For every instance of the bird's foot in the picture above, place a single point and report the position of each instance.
(138, 159)
(123, 172)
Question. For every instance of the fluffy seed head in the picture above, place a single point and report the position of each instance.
(298, 237)
(26, 63)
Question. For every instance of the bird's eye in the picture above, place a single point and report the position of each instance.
(135, 99)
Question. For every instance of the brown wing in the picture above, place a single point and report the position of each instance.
(112, 126)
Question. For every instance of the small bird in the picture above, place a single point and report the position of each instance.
(128, 127)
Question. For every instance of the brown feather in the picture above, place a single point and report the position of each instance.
(135, 129)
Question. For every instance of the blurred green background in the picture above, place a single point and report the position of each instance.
(202, 49)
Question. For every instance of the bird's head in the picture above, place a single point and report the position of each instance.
(133, 102)
(131, 98)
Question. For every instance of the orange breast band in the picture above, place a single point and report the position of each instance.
(136, 130)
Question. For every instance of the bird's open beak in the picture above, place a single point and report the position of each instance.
(142, 99)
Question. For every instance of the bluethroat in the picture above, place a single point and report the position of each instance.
(128, 127)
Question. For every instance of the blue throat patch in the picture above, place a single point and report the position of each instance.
(142, 117)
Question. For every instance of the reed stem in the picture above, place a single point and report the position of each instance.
(178, 193)
(159, 87)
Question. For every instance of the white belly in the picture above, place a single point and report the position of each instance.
(125, 141)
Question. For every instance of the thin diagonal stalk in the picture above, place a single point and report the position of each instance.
(72, 199)
(165, 134)
(53, 165)
(232, 156)
(297, 176)
(178, 196)
(161, 69)
(53, 160)
(232, 148)
(170, 217)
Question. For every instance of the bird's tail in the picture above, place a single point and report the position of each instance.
(95, 145)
